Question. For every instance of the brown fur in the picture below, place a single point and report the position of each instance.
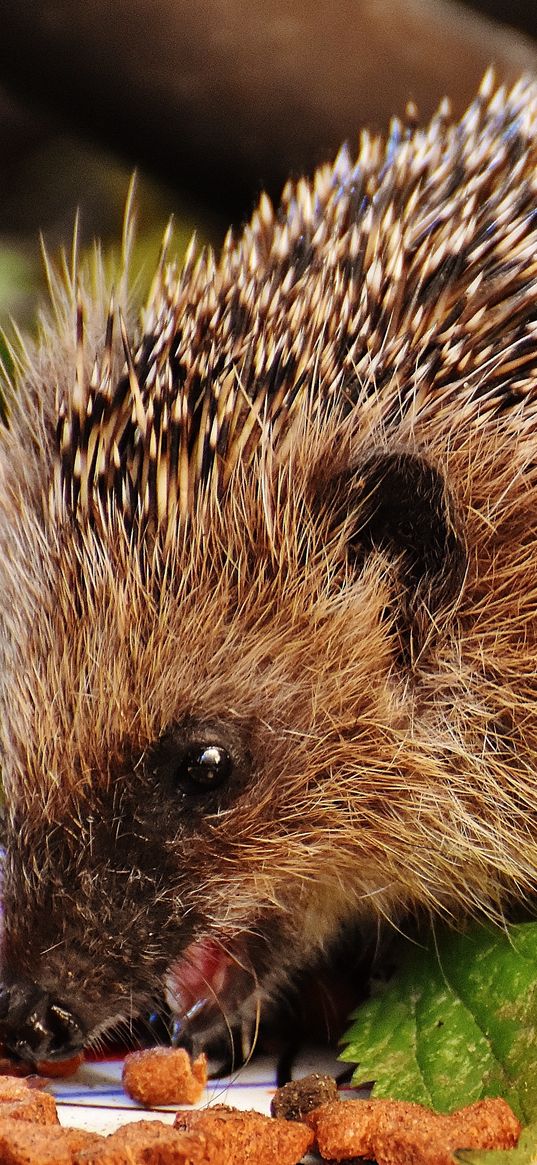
(336, 579)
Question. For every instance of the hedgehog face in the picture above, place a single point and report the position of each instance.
(168, 755)
(194, 728)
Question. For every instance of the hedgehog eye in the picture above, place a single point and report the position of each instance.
(203, 767)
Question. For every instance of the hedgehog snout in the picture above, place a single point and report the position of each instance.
(36, 1026)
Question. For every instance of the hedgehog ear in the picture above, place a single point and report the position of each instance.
(403, 507)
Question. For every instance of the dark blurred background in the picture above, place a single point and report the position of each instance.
(210, 102)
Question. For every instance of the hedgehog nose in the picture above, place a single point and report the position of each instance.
(35, 1026)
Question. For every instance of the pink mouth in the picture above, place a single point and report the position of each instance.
(208, 989)
(199, 976)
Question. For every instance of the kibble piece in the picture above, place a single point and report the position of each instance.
(164, 1076)
(78, 1139)
(57, 1069)
(146, 1143)
(400, 1133)
(35, 1106)
(346, 1128)
(431, 1140)
(417, 1137)
(247, 1138)
(492, 1120)
(13, 1088)
(298, 1097)
(23, 1100)
(26, 1143)
(53, 1068)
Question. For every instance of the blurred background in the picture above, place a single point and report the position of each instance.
(210, 102)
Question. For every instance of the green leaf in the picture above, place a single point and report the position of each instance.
(456, 1023)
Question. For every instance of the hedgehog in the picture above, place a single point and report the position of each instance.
(268, 564)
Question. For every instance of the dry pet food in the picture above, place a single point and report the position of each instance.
(395, 1132)
(388, 1132)
(53, 1068)
(164, 1076)
(298, 1097)
(20, 1101)
(247, 1138)
(59, 1068)
(27, 1143)
(146, 1143)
